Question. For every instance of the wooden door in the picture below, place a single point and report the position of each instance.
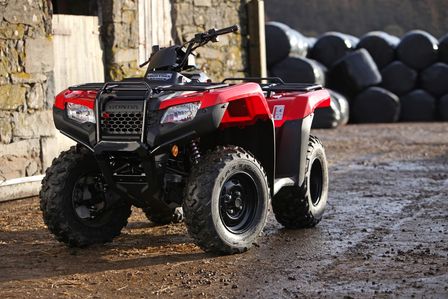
(78, 57)
(155, 25)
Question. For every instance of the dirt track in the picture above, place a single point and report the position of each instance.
(385, 232)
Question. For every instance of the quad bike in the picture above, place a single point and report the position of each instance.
(175, 143)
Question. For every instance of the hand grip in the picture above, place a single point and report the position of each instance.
(226, 30)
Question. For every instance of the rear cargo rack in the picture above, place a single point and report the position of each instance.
(291, 87)
(277, 84)
(255, 79)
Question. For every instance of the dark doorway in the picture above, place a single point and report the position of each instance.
(75, 7)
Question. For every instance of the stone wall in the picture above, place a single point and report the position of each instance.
(28, 139)
(119, 31)
(360, 16)
(228, 57)
(26, 64)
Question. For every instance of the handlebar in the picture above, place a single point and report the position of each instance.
(211, 35)
(201, 39)
(226, 30)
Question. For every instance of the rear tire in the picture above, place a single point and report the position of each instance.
(226, 201)
(303, 207)
(73, 203)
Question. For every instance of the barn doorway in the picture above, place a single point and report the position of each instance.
(78, 54)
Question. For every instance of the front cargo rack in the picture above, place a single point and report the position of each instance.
(196, 86)
(128, 85)
(87, 86)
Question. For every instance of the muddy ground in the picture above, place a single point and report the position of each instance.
(385, 233)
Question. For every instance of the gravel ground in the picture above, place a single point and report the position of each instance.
(384, 234)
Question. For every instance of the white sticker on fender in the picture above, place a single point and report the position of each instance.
(279, 110)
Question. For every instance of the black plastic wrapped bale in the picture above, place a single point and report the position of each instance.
(443, 49)
(327, 117)
(311, 42)
(353, 73)
(434, 79)
(344, 107)
(443, 108)
(300, 70)
(399, 78)
(381, 47)
(418, 49)
(418, 105)
(283, 41)
(331, 47)
(375, 105)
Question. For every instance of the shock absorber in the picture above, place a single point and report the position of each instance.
(194, 149)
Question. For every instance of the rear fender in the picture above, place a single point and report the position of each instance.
(293, 115)
(293, 106)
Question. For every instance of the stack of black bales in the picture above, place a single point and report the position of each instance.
(410, 76)
(413, 79)
(288, 58)
(385, 79)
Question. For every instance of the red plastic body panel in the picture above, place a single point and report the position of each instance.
(82, 97)
(216, 96)
(296, 105)
(246, 103)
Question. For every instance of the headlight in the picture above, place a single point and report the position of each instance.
(80, 113)
(180, 113)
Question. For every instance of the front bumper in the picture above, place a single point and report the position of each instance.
(157, 136)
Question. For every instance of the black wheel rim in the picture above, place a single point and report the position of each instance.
(316, 181)
(88, 199)
(238, 202)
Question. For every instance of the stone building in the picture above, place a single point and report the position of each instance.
(46, 45)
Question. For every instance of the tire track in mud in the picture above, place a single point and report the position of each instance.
(366, 258)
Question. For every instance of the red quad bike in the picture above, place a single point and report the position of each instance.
(175, 144)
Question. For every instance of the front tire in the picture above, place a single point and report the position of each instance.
(73, 204)
(303, 207)
(226, 201)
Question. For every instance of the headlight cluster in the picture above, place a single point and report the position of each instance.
(174, 115)
(80, 113)
(180, 113)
